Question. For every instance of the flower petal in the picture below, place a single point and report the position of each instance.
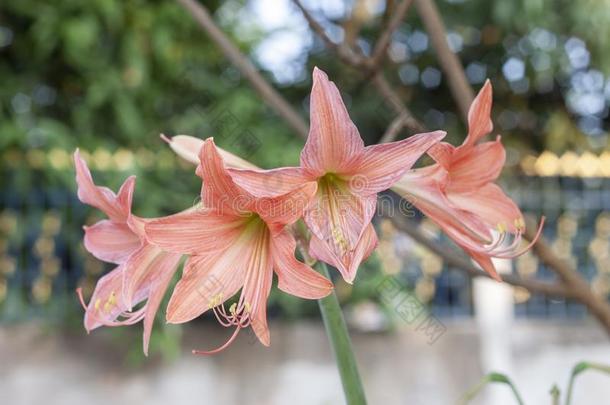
(107, 304)
(111, 241)
(347, 264)
(476, 166)
(338, 216)
(464, 228)
(333, 143)
(219, 190)
(194, 232)
(294, 277)
(491, 205)
(257, 285)
(288, 208)
(188, 147)
(423, 188)
(270, 183)
(485, 262)
(117, 207)
(164, 268)
(442, 153)
(479, 115)
(383, 164)
(138, 271)
(211, 279)
(204, 280)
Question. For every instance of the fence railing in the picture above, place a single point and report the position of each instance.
(42, 259)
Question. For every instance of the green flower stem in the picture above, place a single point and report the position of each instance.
(336, 330)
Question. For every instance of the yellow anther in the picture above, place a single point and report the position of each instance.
(233, 308)
(339, 238)
(112, 298)
(98, 302)
(109, 302)
(215, 300)
(501, 227)
(519, 224)
(248, 307)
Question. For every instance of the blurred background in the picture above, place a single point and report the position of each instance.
(108, 76)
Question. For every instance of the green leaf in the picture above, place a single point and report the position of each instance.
(578, 369)
(492, 377)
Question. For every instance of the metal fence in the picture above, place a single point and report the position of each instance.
(42, 259)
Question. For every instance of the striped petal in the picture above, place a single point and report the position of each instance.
(108, 307)
(111, 241)
(383, 164)
(338, 216)
(211, 279)
(294, 277)
(423, 188)
(194, 232)
(164, 268)
(116, 206)
(348, 263)
(107, 304)
(257, 286)
(442, 153)
(491, 205)
(137, 272)
(288, 208)
(333, 144)
(479, 115)
(476, 166)
(207, 281)
(485, 262)
(219, 191)
(270, 183)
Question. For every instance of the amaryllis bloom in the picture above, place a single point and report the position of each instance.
(143, 272)
(235, 240)
(348, 177)
(459, 193)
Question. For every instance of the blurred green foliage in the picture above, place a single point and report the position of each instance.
(110, 74)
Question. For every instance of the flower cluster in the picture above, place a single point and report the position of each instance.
(242, 231)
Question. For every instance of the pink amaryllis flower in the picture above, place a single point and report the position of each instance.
(235, 240)
(143, 272)
(347, 174)
(459, 193)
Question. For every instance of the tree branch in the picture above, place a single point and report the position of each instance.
(357, 59)
(572, 278)
(245, 66)
(458, 84)
(457, 261)
(385, 38)
(342, 50)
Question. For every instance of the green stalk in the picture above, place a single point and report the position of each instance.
(341, 344)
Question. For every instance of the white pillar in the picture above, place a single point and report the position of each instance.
(494, 313)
